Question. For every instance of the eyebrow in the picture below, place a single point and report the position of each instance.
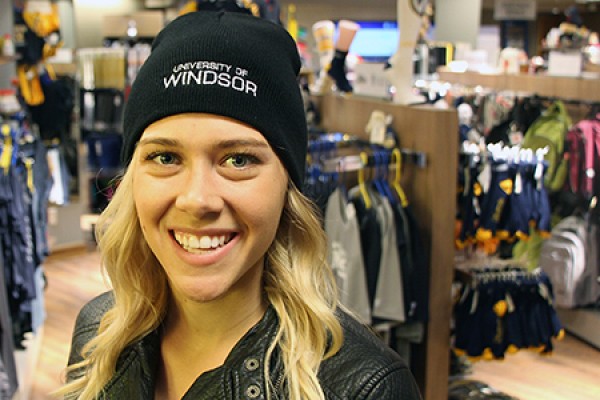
(223, 144)
(226, 144)
(159, 141)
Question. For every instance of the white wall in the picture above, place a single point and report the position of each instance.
(458, 21)
(7, 71)
(88, 18)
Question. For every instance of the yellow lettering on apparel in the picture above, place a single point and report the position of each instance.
(507, 186)
(498, 212)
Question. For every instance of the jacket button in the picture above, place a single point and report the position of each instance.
(251, 364)
(253, 391)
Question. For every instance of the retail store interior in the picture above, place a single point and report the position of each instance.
(479, 119)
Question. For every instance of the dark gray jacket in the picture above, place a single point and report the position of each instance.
(363, 369)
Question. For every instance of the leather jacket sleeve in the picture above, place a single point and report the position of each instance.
(86, 325)
(397, 384)
(365, 368)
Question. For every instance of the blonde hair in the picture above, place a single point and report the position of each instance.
(297, 281)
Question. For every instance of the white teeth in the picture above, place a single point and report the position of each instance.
(192, 242)
(205, 242)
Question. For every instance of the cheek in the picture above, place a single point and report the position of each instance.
(145, 204)
(267, 213)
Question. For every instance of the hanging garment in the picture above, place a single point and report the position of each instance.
(370, 234)
(389, 300)
(53, 116)
(7, 347)
(494, 202)
(28, 45)
(5, 389)
(103, 151)
(42, 184)
(468, 209)
(503, 310)
(59, 194)
(380, 252)
(345, 255)
(414, 264)
(22, 234)
(18, 262)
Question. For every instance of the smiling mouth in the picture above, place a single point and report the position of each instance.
(200, 244)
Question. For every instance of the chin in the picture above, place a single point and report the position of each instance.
(202, 295)
(200, 292)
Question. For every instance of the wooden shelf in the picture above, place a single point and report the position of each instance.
(6, 60)
(432, 132)
(582, 89)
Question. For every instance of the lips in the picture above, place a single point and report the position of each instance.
(195, 244)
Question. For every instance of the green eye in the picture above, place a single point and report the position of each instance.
(166, 158)
(162, 158)
(239, 160)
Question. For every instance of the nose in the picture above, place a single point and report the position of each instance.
(200, 194)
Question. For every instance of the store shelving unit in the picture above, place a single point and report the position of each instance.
(568, 88)
(6, 59)
(431, 191)
(101, 97)
(581, 322)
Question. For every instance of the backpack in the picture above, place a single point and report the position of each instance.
(569, 258)
(549, 131)
(562, 258)
(583, 153)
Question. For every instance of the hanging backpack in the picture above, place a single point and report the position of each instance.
(562, 258)
(549, 131)
(570, 259)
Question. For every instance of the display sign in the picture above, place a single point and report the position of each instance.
(515, 10)
(565, 63)
(375, 41)
(370, 80)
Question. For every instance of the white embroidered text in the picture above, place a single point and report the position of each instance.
(210, 73)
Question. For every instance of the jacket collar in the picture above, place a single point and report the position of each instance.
(243, 368)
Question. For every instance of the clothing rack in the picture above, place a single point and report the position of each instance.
(430, 132)
(355, 162)
(502, 309)
(25, 184)
(7, 347)
(582, 322)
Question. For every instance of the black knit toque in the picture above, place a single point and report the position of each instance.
(228, 64)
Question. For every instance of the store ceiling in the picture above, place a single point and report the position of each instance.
(552, 5)
(542, 5)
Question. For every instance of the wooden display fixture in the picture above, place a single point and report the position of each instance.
(7, 59)
(432, 194)
(581, 89)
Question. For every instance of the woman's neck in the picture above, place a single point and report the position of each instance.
(199, 337)
(216, 320)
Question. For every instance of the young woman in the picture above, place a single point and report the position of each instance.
(216, 259)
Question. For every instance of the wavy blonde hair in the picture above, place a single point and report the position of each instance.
(297, 282)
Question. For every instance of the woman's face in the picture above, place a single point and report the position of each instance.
(209, 193)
